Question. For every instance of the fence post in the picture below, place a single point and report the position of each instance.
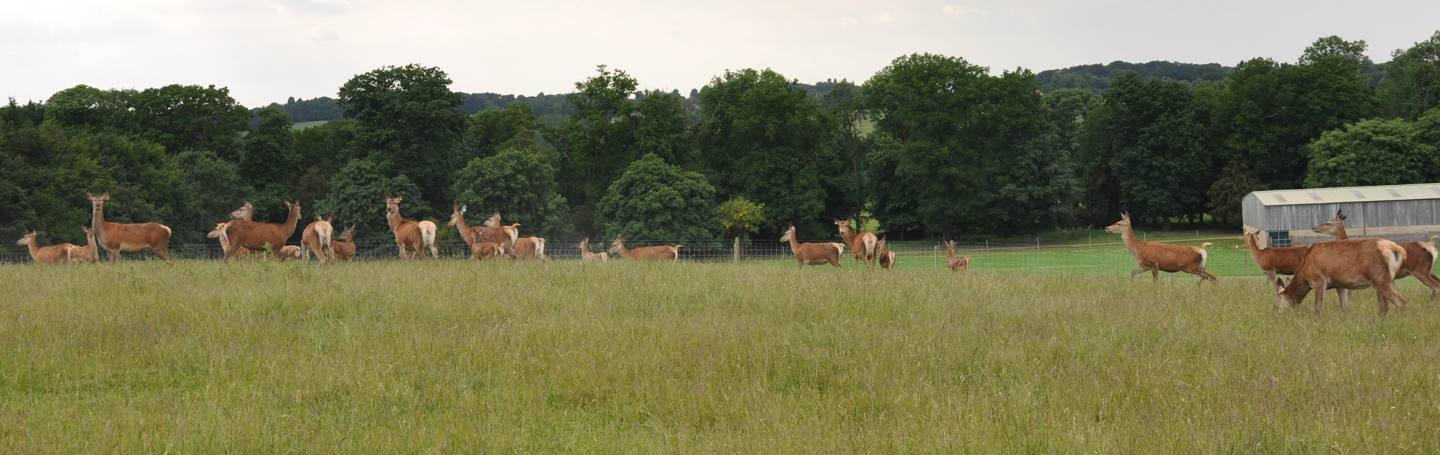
(737, 249)
(1037, 243)
(935, 256)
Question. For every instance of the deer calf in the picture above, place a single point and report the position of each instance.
(345, 248)
(813, 253)
(955, 263)
(887, 257)
(586, 255)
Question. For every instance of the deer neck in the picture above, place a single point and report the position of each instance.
(394, 220)
(794, 245)
(1128, 235)
(847, 235)
(97, 221)
(1340, 232)
(34, 250)
(292, 219)
(1250, 241)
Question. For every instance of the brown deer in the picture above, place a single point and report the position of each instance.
(957, 263)
(88, 252)
(225, 246)
(483, 241)
(501, 232)
(53, 254)
(646, 253)
(116, 238)
(585, 253)
(862, 245)
(1158, 256)
(258, 236)
(245, 212)
(813, 253)
(530, 248)
(1419, 256)
(288, 252)
(317, 238)
(345, 248)
(887, 257)
(1273, 260)
(411, 237)
(1345, 265)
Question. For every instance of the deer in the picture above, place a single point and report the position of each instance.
(245, 212)
(1157, 256)
(1273, 260)
(484, 241)
(586, 255)
(53, 254)
(813, 253)
(862, 245)
(887, 257)
(411, 237)
(345, 248)
(957, 263)
(317, 238)
(86, 253)
(258, 236)
(116, 238)
(502, 232)
(218, 233)
(1419, 256)
(1345, 265)
(646, 253)
(530, 248)
(288, 252)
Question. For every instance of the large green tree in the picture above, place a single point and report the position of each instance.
(653, 201)
(191, 117)
(598, 140)
(409, 117)
(520, 184)
(1371, 152)
(1412, 79)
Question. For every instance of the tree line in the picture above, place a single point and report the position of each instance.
(929, 146)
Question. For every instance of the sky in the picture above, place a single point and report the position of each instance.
(267, 50)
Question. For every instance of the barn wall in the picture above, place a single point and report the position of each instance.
(1397, 220)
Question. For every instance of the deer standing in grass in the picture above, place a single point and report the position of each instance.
(225, 246)
(288, 252)
(1273, 260)
(957, 263)
(53, 254)
(483, 241)
(345, 248)
(530, 248)
(813, 253)
(1419, 256)
(411, 237)
(87, 252)
(862, 245)
(258, 236)
(585, 253)
(317, 238)
(116, 238)
(1345, 265)
(503, 232)
(645, 253)
(887, 257)
(1158, 256)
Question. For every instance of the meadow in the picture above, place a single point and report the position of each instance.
(453, 356)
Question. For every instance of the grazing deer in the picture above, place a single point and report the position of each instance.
(1345, 265)
(959, 263)
(585, 253)
(317, 238)
(483, 241)
(225, 246)
(288, 252)
(1158, 256)
(813, 253)
(530, 248)
(258, 236)
(87, 252)
(1419, 256)
(1273, 260)
(345, 249)
(646, 253)
(116, 238)
(411, 237)
(53, 254)
(887, 257)
(862, 245)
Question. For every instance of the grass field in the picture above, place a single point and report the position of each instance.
(451, 356)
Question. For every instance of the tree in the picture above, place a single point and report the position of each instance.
(409, 117)
(843, 152)
(656, 201)
(191, 117)
(1371, 152)
(1412, 80)
(740, 216)
(215, 187)
(487, 132)
(83, 106)
(661, 127)
(357, 197)
(520, 184)
(599, 139)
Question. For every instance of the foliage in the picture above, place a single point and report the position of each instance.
(599, 140)
(1097, 78)
(1411, 84)
(409, 117)
(520, 184)
(655, 201)
(357, 197)
(1371, 152)
(740, 216)
(191, 117)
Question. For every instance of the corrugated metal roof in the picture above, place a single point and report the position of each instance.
(1349, 194)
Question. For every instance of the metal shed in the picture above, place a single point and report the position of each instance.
(1396, 212)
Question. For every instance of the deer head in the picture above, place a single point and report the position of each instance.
(1284, 295)
(89, 233)
(1120, 226)
(219, 229)
(789, 234)
(349, 234)
(457, 215)
(950, 247)
(1333, 226)
(843, 225)
(392, 204)
(493, 221)
(245, 212)
(28, 239)
(97, 202)
(617, 245)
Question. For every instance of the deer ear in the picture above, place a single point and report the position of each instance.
(105, 196)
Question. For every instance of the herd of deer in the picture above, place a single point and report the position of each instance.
(865, 246)
(1342, 264)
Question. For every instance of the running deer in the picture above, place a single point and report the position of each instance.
(887, 257)
(116, 238)
(585, 253)
(862, 245)
(345, 248)
(88, 252)
(645, 253)
(1419, 256)
(530, 248)
(411, 237)
(1345, 265)
(958, 263)
(813, 253)
(257, 236)
(1273, 260)
(484, 242)
(225, 247)
(1157, 256)
(317, 238)
(53, 254)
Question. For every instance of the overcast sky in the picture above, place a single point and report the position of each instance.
(266, 50)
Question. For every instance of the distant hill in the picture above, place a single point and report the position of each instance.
(1096, 78)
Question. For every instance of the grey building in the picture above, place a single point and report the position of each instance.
(1396, 212)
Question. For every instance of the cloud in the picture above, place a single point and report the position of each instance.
(321, 7)
(954, 10)
(321, 33)
(847, 20)
(883, 18)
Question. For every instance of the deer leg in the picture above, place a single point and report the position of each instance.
(114, 254)
(1154, 273)
(1319, 297)
(1137, 271)
(1344, 299)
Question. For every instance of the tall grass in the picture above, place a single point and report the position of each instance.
(451, 356)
